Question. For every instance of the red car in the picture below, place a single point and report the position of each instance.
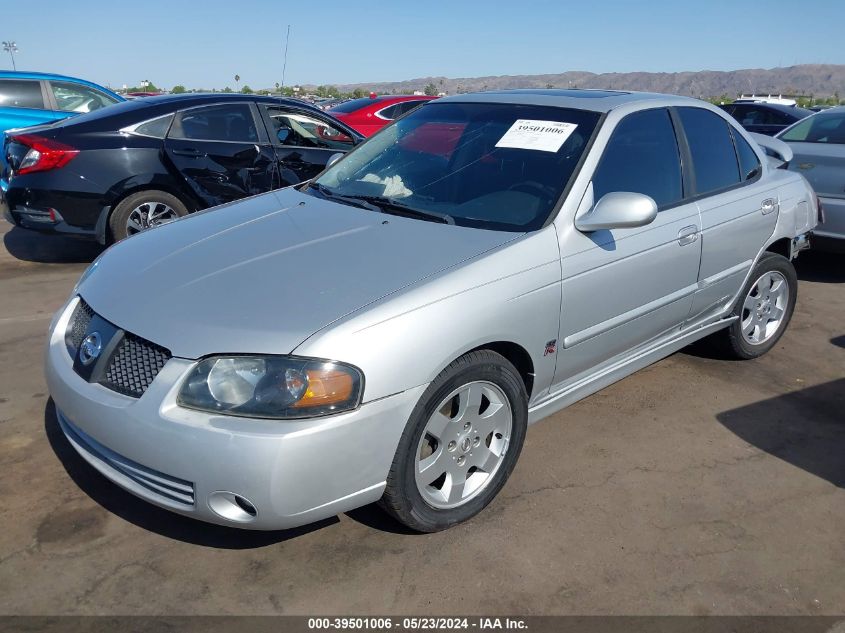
(369, 114)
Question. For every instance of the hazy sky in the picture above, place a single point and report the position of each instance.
(204, 44)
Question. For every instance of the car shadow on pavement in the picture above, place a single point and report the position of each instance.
(44, 248)
(821, 267)
(151, 517)
(374, 517)
(805, 428)
(839, 341)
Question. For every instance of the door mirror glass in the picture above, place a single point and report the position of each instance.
(283, 134)
(619, 210)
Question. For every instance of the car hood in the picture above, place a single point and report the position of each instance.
(265, 273)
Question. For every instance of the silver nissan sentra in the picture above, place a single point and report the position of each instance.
(389, 330)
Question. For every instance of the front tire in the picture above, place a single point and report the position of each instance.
(764, 309)
(460, 445)
(144, 210)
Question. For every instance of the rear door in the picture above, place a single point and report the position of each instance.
(624, 288)
(23, 103)
(221, 153)
(303, 141)
(738, 208)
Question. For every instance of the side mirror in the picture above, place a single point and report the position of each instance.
(333, 159)
(283, 134)
(618, 210)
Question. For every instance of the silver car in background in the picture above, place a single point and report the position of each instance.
(818, 145)
(388, 331)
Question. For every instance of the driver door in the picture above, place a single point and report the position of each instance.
(623, 288)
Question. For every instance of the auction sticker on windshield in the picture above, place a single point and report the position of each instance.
(545, 136)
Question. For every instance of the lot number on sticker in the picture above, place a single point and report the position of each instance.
(545, 136)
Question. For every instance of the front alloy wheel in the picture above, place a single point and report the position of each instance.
(460, 445)
(463, 445)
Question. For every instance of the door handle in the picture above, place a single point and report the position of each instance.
(687, 235)
(193, 153)
(768, 205)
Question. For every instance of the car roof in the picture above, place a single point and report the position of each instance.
(576, 99)
(23, 74)
(201, 97)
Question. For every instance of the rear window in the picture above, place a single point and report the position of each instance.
(21, 93)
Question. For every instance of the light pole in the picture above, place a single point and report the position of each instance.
(11, 48)
(285, 64)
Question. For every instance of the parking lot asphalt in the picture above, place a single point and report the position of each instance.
(697, 486)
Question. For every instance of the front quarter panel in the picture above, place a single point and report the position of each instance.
(510, 295)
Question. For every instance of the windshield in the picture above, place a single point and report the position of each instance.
(486, 165)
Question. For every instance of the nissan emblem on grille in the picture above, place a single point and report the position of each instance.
(90, 349)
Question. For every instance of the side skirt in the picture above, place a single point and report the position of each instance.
(591, 384)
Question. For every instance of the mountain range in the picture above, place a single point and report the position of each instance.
(818, 80)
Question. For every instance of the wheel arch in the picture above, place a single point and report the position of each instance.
(151, 185)
(517, 356)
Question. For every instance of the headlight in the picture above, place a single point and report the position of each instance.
(277, 387)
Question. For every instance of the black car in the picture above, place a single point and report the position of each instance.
(765, 118)
(114, 172)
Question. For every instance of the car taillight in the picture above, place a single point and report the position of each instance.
(43, 153)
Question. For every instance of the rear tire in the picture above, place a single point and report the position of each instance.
(460, 445)
(144, 210)
(764, 308)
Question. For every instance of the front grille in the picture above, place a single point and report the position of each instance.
(134, 362)
(78, 326)
(157, 484)
(134, 365)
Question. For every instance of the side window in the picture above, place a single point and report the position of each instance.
(390, 112)
(642, 156)
(157, 128)
(230, 122)
(72, 97)
(21, 93)
(406, 107)
(301, 130)
(749, 163)
(714, 160)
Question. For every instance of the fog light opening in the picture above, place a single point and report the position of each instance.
(232, 507)
(245, 505)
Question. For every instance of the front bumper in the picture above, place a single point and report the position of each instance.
(195, 463)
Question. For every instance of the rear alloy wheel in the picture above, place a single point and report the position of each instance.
(144, 210)
(460, 445)
(763, 310)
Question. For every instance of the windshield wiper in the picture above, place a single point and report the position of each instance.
(389, 205)
(354, 201)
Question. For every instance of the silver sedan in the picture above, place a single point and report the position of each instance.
(818, 145)
(388, 331)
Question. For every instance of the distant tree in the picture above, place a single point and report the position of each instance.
(227, 89)
(237, 78)
(430, 90)
(358, 93)
(178, 89)
(246, 90)
(149, 87)
(550, 86)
